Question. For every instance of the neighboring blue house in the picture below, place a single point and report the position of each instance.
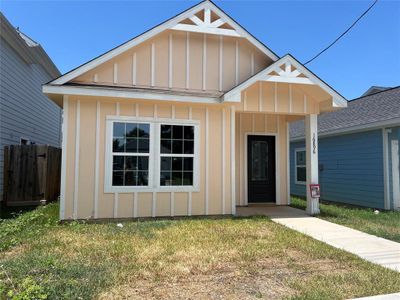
(358, 152)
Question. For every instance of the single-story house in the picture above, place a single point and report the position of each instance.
(189, 118)
(26, 115)
(358, 152)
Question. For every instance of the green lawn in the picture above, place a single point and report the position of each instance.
(386, 224)
(229, 258)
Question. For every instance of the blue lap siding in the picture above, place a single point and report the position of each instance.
(351, 169)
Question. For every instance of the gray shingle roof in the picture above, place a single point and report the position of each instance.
(382, 106)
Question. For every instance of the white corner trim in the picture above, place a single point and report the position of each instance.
(385, 148)
(233, 161)
(153, 64)
(204, 62)
(206, 142)
(76, 168)
(64, 157)
(288, 162)
(395, 173)
(96, 168)
(223, 159)
(221, 62)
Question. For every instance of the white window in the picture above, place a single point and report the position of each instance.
(151, 154)
(300, 166)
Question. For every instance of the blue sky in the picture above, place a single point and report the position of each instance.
(73, 32)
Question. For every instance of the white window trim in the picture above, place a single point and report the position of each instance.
(296, 166)
(154, 156)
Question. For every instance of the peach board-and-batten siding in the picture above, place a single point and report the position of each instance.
(182, 60)
(83, 193)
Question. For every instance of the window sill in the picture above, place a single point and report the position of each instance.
(160, 189)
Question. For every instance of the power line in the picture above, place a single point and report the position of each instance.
(348, 29)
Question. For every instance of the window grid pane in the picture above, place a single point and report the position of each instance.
(130, 170)
(178, 140)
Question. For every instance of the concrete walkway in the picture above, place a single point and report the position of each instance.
(381, 297)
(369, 247)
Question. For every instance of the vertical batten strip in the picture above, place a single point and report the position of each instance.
(305, 103)
(170, 60)
(115, 74)
(137, 109)
(206, 142)
(233, 174)
(135, 204)
(189, 204)
(252, 64)
(223, 160)
(241, 153)
(116, 200)
(253, 123)
(260, 96)
(237, 62)
(134, 69)
(153, 64)
(275, 97)
(95, 78)
(265, 123)
(290, 98)
(204, 61)
(155, 111)
(172, 111)
(154, 203)
(172, 204)
(117, 108)
(187, 59)
(77, 140)
(96, 168)
(221, 61)
(190, 113)
(244, 100)
(64, 157)
(287, 163)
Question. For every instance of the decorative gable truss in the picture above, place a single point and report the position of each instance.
(208, 22)
(287, 70)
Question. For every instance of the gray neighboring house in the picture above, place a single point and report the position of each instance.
(26, 114)
(358, 149)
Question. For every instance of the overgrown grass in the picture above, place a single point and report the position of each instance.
(237, 258)
(385, 224)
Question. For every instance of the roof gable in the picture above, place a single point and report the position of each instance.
(204, 17)
(287, 70)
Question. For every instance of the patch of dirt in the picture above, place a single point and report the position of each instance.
(227, 283)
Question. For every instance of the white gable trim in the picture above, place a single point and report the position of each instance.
(234, 95)
(158, 29)
(126, 93)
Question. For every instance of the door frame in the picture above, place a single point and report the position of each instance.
(277, 184)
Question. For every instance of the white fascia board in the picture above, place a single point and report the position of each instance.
(123, 93)
(156, 30)
(354, 129)
(231, 96)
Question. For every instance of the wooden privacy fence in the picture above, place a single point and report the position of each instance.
(31, 174)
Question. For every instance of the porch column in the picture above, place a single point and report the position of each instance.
(311, 128)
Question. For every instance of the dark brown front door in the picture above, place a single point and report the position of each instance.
(261, 168)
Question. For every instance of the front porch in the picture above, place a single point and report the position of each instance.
(266, 104)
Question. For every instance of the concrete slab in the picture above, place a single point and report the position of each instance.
(369, 247)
